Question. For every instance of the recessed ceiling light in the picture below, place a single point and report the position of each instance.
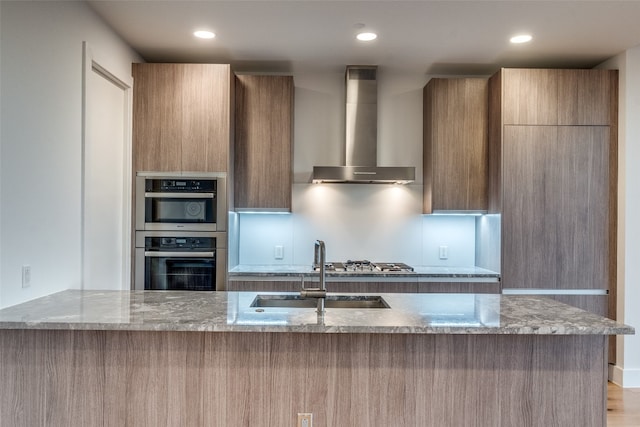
(366, 37)
(522, 38)
(204, 34)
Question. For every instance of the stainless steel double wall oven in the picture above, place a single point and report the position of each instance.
(181, 232)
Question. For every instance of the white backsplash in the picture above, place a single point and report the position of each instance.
(374, 222)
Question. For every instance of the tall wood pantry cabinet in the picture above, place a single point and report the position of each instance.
(553, 178)
(263, 142)
(455, 145)
(182, 117)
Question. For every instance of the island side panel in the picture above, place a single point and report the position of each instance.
(51, 378)
(85, 378)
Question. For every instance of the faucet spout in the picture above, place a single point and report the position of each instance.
(320, 258)
(320, 292)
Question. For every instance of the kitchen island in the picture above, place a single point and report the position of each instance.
(151, 358)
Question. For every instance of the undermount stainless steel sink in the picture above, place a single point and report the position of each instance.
(331, 301)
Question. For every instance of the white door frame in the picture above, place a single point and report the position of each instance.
(90, 65)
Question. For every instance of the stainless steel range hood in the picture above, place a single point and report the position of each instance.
(361, 136)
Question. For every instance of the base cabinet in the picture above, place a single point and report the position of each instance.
(122, 378)
(277, 285)
(459, 287)
(372, 287)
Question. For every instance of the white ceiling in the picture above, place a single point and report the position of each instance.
(433, 37)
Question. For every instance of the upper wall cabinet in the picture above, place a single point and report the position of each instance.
(557, 97)
(182, 117)
(455, 145)
(263, 142)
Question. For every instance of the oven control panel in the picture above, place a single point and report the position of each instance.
(181, 185)
(179, 243)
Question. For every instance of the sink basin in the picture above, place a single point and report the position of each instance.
(331, 301)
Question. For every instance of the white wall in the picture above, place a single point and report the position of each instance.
(627, 369)
(40, 169)
(375, 222)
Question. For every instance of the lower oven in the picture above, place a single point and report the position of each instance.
(186, 261)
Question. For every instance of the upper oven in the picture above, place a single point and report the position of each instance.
(183, 203)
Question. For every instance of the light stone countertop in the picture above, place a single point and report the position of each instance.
(285, 270)
(231, 312)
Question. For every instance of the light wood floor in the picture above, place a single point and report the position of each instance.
(623, 406)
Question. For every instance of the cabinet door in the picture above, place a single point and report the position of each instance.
(459, 287)
(265, 285)
(529, 235)
(205, 117)
(530, 96)
(372, 287)
(181, 117)
(157, 112)
(455, 145)
(263, 142)
(555, 198)
(586, 97)
(580, 179)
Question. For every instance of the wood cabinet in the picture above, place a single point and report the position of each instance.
(263, 142)
(372, 287)
(182, 117)
(553, 168)
(273, 284)
(459, 287)
(455, 145)
(559, 97)
(555, 214)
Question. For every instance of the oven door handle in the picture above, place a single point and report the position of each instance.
(160, 254)
(181, 195)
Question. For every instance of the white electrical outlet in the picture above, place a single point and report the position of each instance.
(305, 420)
(26, 276)
(278, 252)
(444, 252)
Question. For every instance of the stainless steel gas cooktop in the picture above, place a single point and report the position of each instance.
(365, 266)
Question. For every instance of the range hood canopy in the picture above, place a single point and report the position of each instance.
(361, 127)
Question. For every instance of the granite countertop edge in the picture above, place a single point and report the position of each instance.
(306, 271)
(319, 329)
(180, 311)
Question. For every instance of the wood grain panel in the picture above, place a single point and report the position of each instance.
(265, 379)
(529, 234)
(206, 117)
(263, 142)
(597, 304)
(459, 287)
(265, 285)
(580, 183)
(613, 205)
(157, 111)
(369, 287)
(530, 96)
(584, 97)
(455, 144)
(181, 117)
(494, 183)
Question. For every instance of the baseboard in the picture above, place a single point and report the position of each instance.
(627, 378)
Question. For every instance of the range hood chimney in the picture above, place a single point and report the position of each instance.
(361, 136)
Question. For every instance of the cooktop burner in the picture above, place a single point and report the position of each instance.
(365, 266)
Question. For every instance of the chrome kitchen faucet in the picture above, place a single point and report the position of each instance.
(319, 254)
